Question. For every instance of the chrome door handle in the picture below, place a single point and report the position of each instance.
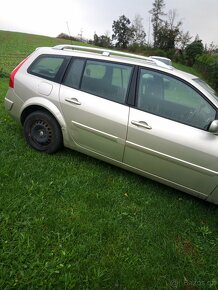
(142, 124)
(72, 101)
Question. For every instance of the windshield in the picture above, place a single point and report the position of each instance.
(206, 87)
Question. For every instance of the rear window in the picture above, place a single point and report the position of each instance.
(46, 66)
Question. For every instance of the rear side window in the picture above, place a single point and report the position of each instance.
(106, 80)
(46, 66)
(100, 78)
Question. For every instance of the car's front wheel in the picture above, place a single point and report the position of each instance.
(42, 132)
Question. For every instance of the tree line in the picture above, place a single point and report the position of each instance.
(169, 39)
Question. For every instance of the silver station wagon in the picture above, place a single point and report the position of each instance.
(134, 112)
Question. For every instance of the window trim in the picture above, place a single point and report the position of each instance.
(178, 79)
(72, 59)
(131, 96)
(61, 70)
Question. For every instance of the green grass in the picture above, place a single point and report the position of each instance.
(188, 69)
(68, 221)
(15, 46)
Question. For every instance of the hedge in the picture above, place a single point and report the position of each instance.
(208, 65)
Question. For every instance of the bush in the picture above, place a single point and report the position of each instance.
(208, 65)
(137, 48)
(155, 51)
(192, 51)
(67, 37)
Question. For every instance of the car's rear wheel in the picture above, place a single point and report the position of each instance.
(42, 132)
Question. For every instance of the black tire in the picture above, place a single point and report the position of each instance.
(42, 132)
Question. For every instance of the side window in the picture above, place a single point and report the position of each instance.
(46, 66)
(74, 73)
(171, 98)
(95, 70)
(107, 80)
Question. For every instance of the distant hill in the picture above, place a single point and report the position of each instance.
(14, 46)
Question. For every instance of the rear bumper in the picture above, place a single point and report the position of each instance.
(8, 104)
(13, 104)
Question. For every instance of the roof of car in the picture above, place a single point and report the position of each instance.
(131, 58)
(159, 57)
(114, 54)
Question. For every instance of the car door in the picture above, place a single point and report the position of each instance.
(167, 134)
(92, 98)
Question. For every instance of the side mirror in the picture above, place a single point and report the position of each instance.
(214, 127)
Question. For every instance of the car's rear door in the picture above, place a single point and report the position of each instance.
(92, 98)
(167, 133)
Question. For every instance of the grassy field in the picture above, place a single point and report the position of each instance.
(187, 69)
(15, 46)
(68, 221)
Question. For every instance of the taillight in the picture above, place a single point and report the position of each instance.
(13, 73)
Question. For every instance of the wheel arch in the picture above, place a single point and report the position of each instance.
(33, 108)
(39, 104)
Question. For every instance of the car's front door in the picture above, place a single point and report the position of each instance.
(167, 133)
(92, 98)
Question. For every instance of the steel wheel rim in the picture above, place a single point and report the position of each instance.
(41, 133)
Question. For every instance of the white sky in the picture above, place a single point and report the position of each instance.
(50, 17)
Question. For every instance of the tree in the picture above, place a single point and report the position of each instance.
(123, 32)
(102, 40)
(168, 34)
(156, 19)
(139, 33)
(194, 49)
(184, 39)
(212, 48)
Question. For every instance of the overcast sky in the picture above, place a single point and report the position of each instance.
(50, 17)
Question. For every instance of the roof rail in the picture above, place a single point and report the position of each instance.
(108, 52)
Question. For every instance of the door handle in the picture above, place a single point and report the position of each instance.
(142, 124)
(72, 101)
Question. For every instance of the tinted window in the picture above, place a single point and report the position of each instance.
(107, 80)
(46, 66)
(74, 73)
(171, 98)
